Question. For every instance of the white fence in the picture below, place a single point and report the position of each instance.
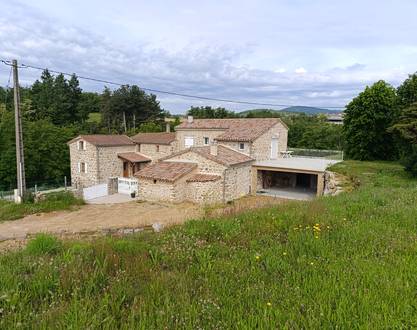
(96, 191)
(127, 186)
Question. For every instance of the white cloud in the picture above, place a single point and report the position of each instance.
(202, 57)
(300, 70)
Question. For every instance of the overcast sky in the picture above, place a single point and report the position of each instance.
(298, 52)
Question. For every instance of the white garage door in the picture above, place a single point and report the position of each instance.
(95, 191)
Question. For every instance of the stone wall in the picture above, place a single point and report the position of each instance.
(235, 146)
(205, 165)
(156, 191)
(198, 135)
(150, 150)
(261, 147)
(205, 192)
(333, 183)
(87, 156)
(237, 181)
(109, 164)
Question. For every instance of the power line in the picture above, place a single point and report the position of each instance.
(26, 66)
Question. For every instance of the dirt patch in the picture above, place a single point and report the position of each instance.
(117, 219)
(91, 218)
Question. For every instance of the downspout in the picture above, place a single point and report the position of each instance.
(98, 164)
(224, 186)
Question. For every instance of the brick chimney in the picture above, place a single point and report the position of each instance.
(190, 119)
(213, 148)
(168, 127)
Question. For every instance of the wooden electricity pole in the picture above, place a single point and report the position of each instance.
(20, 159)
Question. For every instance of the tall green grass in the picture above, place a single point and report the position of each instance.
(343, 262)
(52, 202)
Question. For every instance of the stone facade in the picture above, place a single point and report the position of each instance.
(157, 190)
(198, 135)
(89, 157)
(100, 163)
(261, 147)
(157, 151)
(210, 192)
(236, 146)
(205, 165)
(237, 181)
(109, 164)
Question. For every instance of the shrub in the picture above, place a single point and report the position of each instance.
(44, 244)
(409, 160)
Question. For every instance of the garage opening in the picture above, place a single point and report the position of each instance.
(287, 184)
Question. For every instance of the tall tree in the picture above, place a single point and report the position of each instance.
(407, 91)
(366, 122)
(56, 99)
(128, 107)
(406, 128)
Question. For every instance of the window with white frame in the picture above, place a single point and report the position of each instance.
(241, 146)
(188, 141)
(81, 145)
(82, 167)
(206, 141)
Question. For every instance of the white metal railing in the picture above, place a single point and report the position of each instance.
(127, 186)
(317, 153)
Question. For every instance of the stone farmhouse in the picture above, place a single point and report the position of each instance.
(203, 161)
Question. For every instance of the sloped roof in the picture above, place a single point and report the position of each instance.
(200, 177)
(225, 156)
(102, 140)
(154, 138)
(243, 129)
(166, 171)
(134, 157)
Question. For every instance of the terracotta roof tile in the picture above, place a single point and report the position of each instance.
(134, 157)
(225, 155)
(102, 140)
(154, 138)
(166, 171)
(243, 129)
(199, 177)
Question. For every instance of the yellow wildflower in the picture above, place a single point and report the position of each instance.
(268, 304)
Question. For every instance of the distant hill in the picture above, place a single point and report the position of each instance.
(294, 109)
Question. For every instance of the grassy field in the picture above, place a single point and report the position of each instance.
(343, 262)
(52, 202)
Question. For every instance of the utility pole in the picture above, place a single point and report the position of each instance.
(20, 159)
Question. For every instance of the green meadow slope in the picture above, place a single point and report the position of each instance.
(348, 261)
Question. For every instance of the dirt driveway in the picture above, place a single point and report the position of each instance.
(91, 218)
(96, 218)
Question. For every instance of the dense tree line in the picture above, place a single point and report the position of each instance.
(54, 110)
(381, 123)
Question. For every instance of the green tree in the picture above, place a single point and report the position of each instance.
(56, 99)
(88, 103)
(407, 91)
(366, 122)
(209, 112)
(128, 107)
(406, 128)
